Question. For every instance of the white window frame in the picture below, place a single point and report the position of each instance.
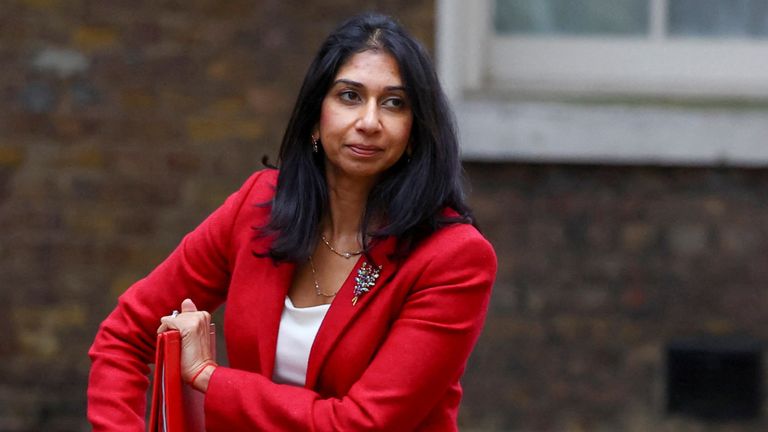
(516, 97)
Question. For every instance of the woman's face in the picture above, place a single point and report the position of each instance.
(365, 119)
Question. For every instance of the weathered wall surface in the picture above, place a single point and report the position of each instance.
(601, 269)
(122, 124)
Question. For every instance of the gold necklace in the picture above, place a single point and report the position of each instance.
(346, 255)
(318, 291)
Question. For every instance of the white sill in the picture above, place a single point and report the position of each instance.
(611, 133)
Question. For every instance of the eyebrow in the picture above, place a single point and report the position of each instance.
(360, 85)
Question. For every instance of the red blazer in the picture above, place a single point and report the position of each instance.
(390, 362)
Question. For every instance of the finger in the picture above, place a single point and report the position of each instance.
(163, 324)
(188, 306)
(168, 323)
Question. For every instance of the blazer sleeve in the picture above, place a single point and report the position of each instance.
(199, 268)
(424, 353)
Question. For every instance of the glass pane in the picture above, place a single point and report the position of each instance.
(735, 18)
(572, 17)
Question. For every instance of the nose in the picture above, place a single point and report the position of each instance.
(369, 120)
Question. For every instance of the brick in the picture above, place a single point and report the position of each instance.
(38, 97)
(221, 69)
(202, 129)
(69, 127)
(508, 328)
(122, 282)
(688, 239)
(84, 94)
(135, 223)
(715, 206)
(137, 99)
(639, 236)
(62, 62)
(184, 162)
(86, 188)
(45, 5)
(264, 100)
(634, 298)
(90, 221)
(719, 326)
(11, 156)
(94, 38)
(741, 240)
(230, 106)
(82, 156)
(38, 328)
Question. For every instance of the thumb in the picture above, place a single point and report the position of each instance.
(188, 306)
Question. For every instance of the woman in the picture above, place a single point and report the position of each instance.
(356, 284)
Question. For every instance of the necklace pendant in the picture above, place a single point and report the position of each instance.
(347, 255)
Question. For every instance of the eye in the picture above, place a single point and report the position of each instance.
(349, 96)
(394, 103)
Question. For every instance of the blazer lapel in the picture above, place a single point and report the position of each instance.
(342, 312)
(270, 307)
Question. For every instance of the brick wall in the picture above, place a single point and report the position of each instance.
(122, 124)
(600, 269)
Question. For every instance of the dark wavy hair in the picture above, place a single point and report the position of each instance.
(409, 200)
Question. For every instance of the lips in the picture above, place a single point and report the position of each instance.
(363, 150)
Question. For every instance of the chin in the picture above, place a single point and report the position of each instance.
(362, 172)
(359, 169)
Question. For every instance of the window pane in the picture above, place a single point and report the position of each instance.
(736, 18)
(572, 17)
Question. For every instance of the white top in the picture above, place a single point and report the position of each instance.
(298, 328)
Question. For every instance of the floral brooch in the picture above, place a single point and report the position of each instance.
(365, 280)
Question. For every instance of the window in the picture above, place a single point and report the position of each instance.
(648, 81)
(649, 47)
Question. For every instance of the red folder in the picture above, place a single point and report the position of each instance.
(176, 406)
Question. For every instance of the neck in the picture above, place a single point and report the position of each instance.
(346, 204)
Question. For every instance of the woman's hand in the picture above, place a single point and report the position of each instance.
(197, 363)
